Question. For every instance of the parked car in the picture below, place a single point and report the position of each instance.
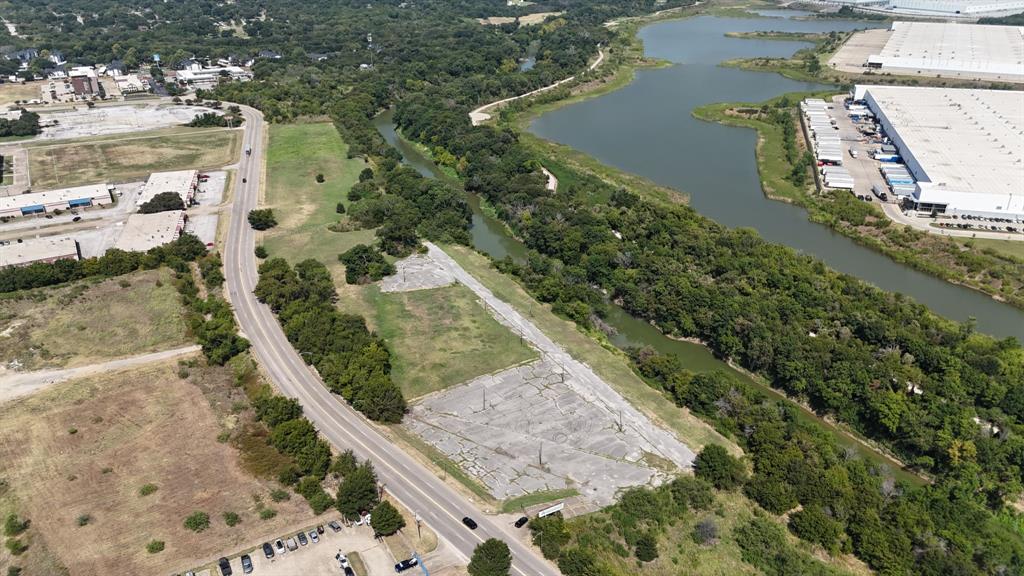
(349, 571)
(302, 538)
(268, 550)
(342, 560)
(279, 546)
(469, 522)
(314, 536)
(292, 546)
(320, 529)
(522, 522)
(225, 566)
(334, 525)
(246, 564)
(405, 565)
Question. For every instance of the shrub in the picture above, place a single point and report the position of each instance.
(15, 546)
(279, 495)
(72, 430)
(262, 219)
(386, 519)
(147, 489)
(267, 513)
(231, 518)
(340, 208)
(705, 532)
(490, 558)
(715, 465)
(366, 174)
(13, 571)
(83, 519)
(261, 252)
(163, 202)
(319, 178)
(364, 264)
(646, 547)
(197, 521)
(155, 546)
(14, 526)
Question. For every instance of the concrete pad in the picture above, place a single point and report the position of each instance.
(417, 272)
(83, 122)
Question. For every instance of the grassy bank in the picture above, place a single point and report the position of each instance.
(993, 267)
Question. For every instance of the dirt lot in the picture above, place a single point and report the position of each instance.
(10, 93)
(134, 156)
(85, 448)
(87, 322)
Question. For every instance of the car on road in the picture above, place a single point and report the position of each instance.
(268, 550)
(314, 536)
(225, 566)
(302, 538)
(334, 525)
(292, 546)
(76, 219)
(246, 564)
(522, 522)
(279, 546)
(469, 522)
(406, 564)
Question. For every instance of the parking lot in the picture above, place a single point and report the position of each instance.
(103, 120)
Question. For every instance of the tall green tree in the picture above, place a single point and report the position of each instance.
(490, 558)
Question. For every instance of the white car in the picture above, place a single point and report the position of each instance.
(279, 546)
(314, 536)
(342, 560)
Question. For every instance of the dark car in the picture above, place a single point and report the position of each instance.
(349, 571)
(225, 566)
(334, 525)
(469, 522)
(522, 522)
(302, 538)
(405, 565)
(246, 564)
(76, 219)
(320, 529)
(268, 550)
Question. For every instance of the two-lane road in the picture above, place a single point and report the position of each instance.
(404, 478)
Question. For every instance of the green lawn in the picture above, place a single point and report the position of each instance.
(304, 208)
(442, 337)
(1007, 247)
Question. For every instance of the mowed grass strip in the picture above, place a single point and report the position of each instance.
(442, 337)
(303, 207)
(132, 157)
(89, 321)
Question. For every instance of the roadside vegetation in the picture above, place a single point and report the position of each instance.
(785, 168)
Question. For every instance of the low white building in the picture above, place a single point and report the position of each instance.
(196, 76)
(32, 250)
(50, 200)
(954, 50)
(965, 148)
(181, 182)
(142, 232)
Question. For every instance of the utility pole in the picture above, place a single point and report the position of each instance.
(540, 454)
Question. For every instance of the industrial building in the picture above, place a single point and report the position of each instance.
(63, 199)
(181, 182)
(953, 50)
(144, 231)
(946, 9)
(964, 148)
(208, 78)
(31, 250)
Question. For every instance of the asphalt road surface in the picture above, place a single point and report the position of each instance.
(441, 507)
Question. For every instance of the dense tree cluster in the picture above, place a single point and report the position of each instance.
(352, 361)
(364, 264)
(262, 219)
(27, 124)
(212, 322)
(114, 263)
(214, 120)
(162, 202)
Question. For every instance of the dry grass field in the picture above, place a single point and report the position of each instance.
(131, 157)
(84, 449)
(11, 93)
(88, 322)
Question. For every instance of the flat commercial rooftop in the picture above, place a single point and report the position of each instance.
(98, 193)
(144, 231)
(32, 250)
(956, 49)
(180, 182)
(963, 142)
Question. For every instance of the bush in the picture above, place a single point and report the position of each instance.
(83, 520)
(490, 558)
(13, 571)
(716, 466)
(267, 513)
(261, 252)
(14, 526)
(814, 525)
(705, 532)
(364, 264)
(231, 518)
(340, 208)
(646, 547)
(155, 546)
(197, 521)
(163, 202)
(366, 174)
(15, 546)
(147, 489)
(279, 495)
(386, 519)
(262, 219)
(319, 178)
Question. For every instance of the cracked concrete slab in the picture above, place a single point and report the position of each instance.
(417, 272)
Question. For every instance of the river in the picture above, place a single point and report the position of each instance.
(490, 237)
(647, 128)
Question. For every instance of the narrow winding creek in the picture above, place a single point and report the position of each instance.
(646, 128)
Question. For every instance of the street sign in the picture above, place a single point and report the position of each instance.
(551, 510)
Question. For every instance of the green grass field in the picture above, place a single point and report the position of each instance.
(1008, 247)
(131, 157)
(304, 208)
(442, 337)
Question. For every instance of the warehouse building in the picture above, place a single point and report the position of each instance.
(144, 231)
(63, 199)
(965, 148)
(181, 182)
(946, 9)
(34, 250)
(954, 50)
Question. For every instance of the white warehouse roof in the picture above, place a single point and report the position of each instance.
(181, 182)
(965, 147)
(144, 231)
(47, 249)
(960, 49)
